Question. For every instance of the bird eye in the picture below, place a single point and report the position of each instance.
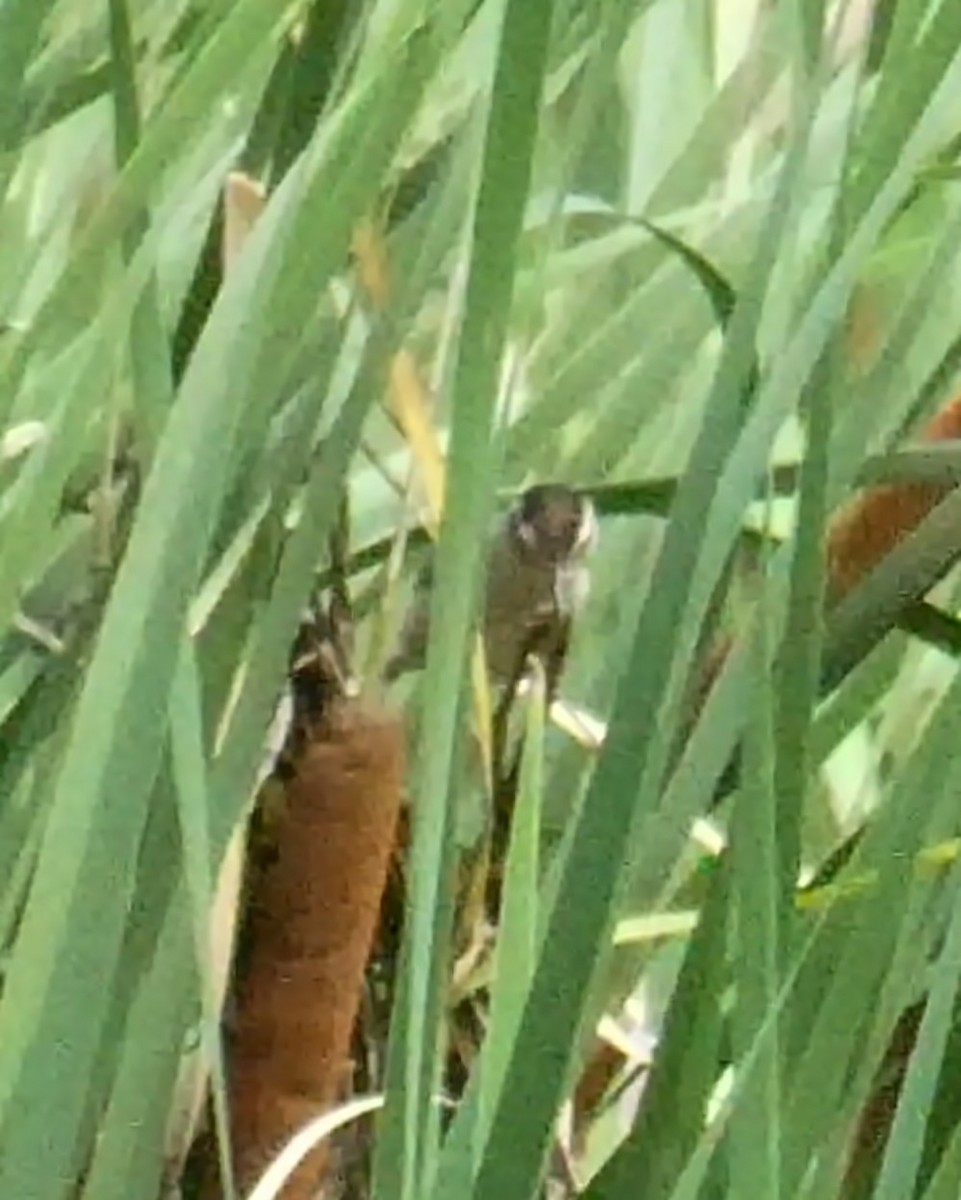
(527, 531)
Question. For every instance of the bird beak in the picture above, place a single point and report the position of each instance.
(587, 534)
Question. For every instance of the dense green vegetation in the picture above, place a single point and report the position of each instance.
(654, 248)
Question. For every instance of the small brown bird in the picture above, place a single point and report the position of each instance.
(537, 580)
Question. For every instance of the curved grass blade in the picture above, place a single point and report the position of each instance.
(406, 1143)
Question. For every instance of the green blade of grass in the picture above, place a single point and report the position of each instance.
(516, 949)
(622, 791)
(685, 1069)
(75, 916)
(760, 922)
(408, 1127)
(150, 354)
(20, 25)
(862, 988)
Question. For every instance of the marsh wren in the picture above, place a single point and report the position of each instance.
(537, 580)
